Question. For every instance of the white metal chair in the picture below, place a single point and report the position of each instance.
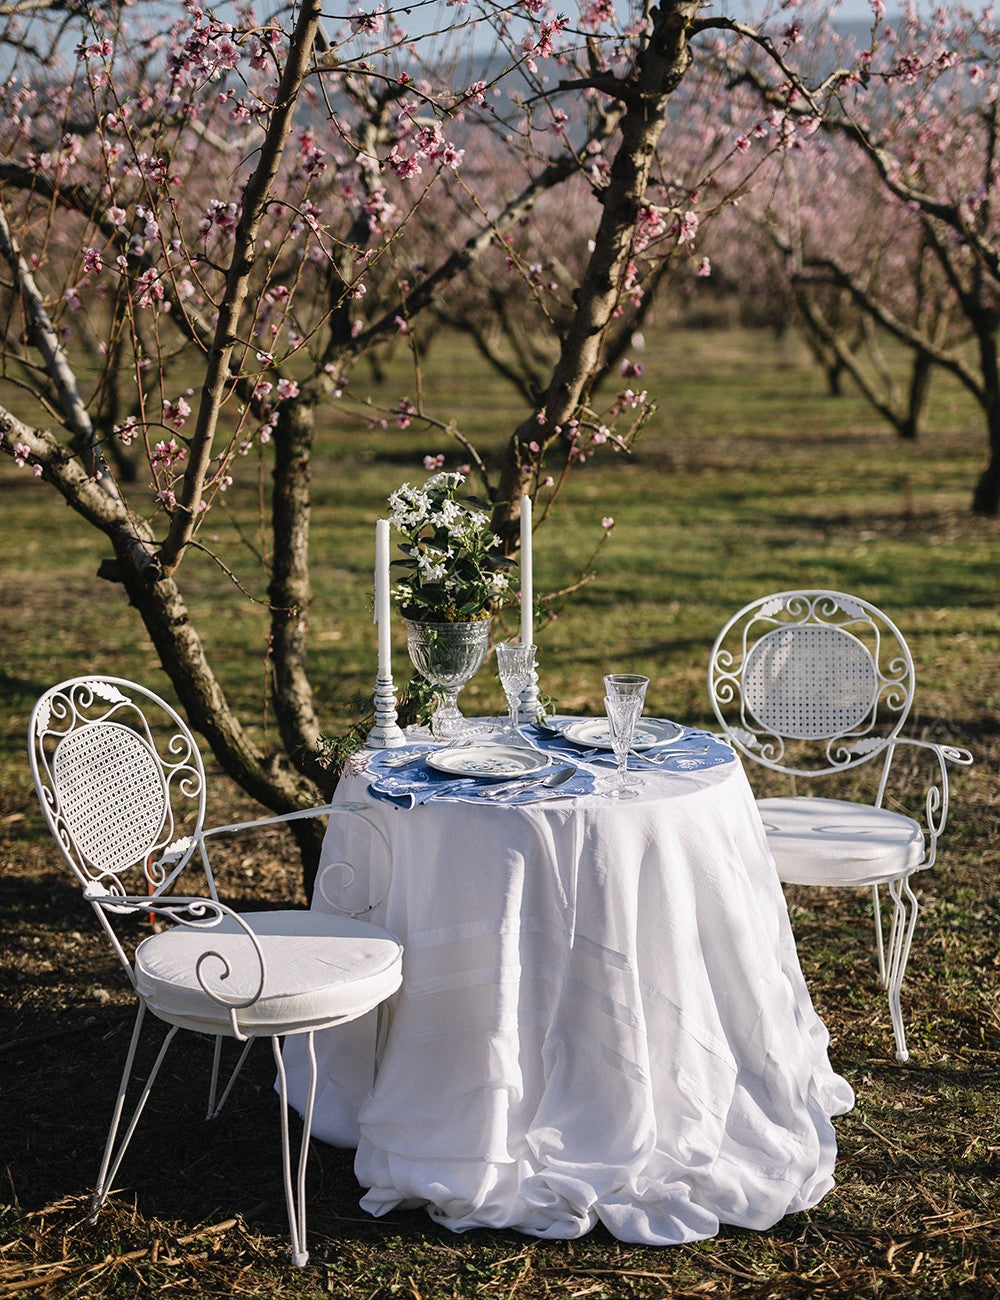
(813, 683)
(122, 785)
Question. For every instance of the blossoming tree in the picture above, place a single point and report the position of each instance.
(240, 192)
(920, 109)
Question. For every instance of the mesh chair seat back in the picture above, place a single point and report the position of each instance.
(120, 780)
(112, 794)
(810, 682)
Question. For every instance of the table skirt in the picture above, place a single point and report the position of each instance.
(602, 1019)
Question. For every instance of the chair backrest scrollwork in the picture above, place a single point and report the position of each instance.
(120, 780)
(811, 682)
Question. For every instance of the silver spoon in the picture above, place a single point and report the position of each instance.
(558, 777)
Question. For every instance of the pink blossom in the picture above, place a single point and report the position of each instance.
(287, 388)
(92, 260)
(127, 430)
(21, 453)
(149, 287)
(687, 227)
(373, 22)
(168, 453)
(433, 462)
(475, 93)
(176, 413)
(597, 12)
(167, 497)
(607, 523)
(404, 168)
(404, 412)
(631, 369)
(704, 268)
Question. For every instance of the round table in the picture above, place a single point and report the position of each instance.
(602, 1018)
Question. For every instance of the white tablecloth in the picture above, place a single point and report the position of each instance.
(602, 1018)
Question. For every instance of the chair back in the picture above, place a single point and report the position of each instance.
(810, 682)
(121, 783)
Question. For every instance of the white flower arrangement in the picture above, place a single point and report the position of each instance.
(453, 570)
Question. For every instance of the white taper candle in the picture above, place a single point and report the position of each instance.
(527, 585)
(382, 585)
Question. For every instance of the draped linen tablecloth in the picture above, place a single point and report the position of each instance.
(602, 1018)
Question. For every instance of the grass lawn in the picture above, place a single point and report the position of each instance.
(749, 479)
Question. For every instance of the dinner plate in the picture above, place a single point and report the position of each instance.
(594, 733)
(488, 761)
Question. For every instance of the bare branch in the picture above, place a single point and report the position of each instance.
(45, 339)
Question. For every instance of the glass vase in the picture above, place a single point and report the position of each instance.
(447, 655)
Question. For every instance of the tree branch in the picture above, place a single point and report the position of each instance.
(255, 198)
(57, 367)
(659, 69)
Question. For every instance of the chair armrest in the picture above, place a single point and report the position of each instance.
(194, 913)
(338, 872)
(331, 872)
(322, 810)
(936, 794)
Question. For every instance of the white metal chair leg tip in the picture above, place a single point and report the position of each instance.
(902, 1056)
(300, 1258)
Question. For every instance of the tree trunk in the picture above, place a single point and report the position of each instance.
(659, 69)
(919, 391)
(290, 589)
(271, 779)
(986, 497)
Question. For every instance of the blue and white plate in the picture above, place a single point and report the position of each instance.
(595, 733)
(485, 761)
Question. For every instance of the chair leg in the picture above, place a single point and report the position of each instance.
(214, 1111)
(110, 1164)
(296, 1203)
(900, 938)
(879, 941)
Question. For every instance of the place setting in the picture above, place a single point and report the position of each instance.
(449, 581)
(495, 763)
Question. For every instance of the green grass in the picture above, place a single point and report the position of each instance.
(749, 479)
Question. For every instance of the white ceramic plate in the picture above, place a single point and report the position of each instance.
(594, 733)
(488, 761)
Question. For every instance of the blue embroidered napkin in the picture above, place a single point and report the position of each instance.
(692, 751)
(407, 785)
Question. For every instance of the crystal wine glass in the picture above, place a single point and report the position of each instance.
(515, 664)
(625, 694)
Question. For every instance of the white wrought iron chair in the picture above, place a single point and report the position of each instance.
(813, 683)
(122, 785)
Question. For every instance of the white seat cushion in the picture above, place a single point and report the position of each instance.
(834, 842)
(320, 970)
